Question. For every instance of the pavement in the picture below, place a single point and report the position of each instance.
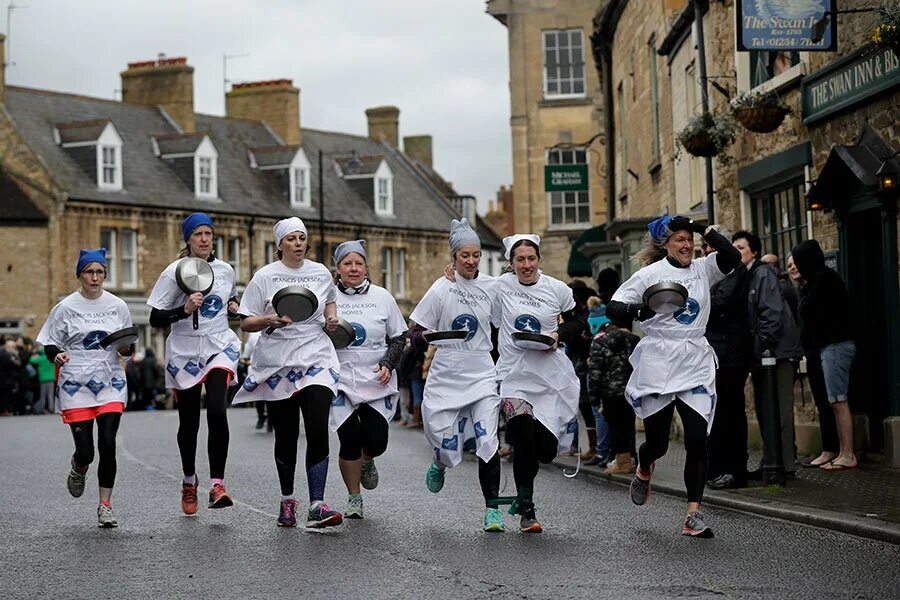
(863, 501)
(411, 544)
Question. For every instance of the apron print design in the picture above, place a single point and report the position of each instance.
(360, 332)
(467, 323)
(527, 323)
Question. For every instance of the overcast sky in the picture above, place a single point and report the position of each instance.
(442, 62)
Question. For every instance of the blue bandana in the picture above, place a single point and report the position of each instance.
(358, 246)
(87, 257)
(659, 229)
(193, 222)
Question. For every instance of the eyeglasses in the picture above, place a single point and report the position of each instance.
(94, 272)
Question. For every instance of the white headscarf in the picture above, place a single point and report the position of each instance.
(510, 240)
(462, 234)
(285, 226)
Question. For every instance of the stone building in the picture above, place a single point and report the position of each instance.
(816, 176)
(81, 172)
(554, 98)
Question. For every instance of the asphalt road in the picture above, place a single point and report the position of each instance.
(412, 543)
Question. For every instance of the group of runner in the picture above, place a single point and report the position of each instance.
(295, 368)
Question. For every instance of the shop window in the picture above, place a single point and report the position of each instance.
(569, 208)
(779, 218)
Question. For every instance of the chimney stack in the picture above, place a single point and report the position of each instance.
(168, 82)
(276, 102)
(384, 124)
(418, 147)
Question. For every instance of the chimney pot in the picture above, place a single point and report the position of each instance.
(168, 82)
(384, 124)
(274, 101)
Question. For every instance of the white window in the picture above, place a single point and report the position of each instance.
(400, 273)
(300, 188)
(271, 256)
(110, 165)
(121, 257)
(768, 70)
(569, 208)
(563, 63)
(109, 159)
(108, 241)
(205, 170)
(234, 256)
(219, 247)
(384, 190)
(206, 176)
(393, 271)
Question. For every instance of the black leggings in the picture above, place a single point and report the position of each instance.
(620, 417)
(532, 444)
(364, 432)
(489, 478)
(189, 423)
(315, 403)
(656, 428)
(589, 421)
(83, 434)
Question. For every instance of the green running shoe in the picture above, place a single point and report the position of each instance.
(493, 520)
(354, 507)
(434, 478)
(369, 475)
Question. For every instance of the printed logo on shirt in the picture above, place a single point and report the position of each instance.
(71, 386)
(192, 367)
(250, 384)
(335, 375)
(360, 332)
(467, 323)
(95, 385)
(527, 323)
(231, 352)
(688, 313)
(92, 340)
(211, 306)
(313, 371)
(172, 369)
(273, 381)
(450, 443)
(462, 424)
(293, 376)
(480, 431)
(388, 403)
(339, 400)
(118, 383)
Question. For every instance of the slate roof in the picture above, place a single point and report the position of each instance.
(179, 143)
(150, 181)
(274, 156)
(359, 166)
(81, 131)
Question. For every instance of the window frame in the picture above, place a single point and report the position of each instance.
(109, 139)
(218, 246)
(582, 198)
(125, 235)
(383, 174)
(780, 240)
(206, 151)
(112, 254)
(783, 80)
(300, 181)
(400, 272)
(234, 255)
(559, 66)
(387, 263)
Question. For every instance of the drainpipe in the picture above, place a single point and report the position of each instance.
(250, 225)
(610, 127)
(701, 59)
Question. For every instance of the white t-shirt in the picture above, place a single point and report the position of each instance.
(532, 308)
(374, 317)
(696, 278)
(461, 305)
(257, 298)
(213, 318)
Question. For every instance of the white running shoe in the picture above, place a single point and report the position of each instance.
(105, 517)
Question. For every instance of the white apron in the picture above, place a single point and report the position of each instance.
(359, 385)
(547, 381)
(460, 403)
(191, 354)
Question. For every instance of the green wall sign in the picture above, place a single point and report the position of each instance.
(565, 178)
(848, 81)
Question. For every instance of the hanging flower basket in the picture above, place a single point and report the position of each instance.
(887, 32)
(760, 112)
(707, 135)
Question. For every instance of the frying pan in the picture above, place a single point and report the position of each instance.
(665, 297)
(532, 341)
(296, 302)
(446, 338)
(120, 339)
(343, 336)
(193, 274)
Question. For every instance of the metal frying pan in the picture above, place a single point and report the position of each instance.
(343, 336)
(665, 297)
(532, 341)
(296, 302)
(193, 274)
(120, 339)
(446, 338)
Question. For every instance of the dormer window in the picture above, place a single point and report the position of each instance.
(384, 190)
(288, 168)
(300, 196)
(205, 159)
(194, 159)
(372, 178)
(96, 147)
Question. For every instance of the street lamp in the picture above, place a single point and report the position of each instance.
(888, 175)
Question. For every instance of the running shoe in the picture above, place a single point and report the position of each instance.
(529, 522)
(105, 517)
(434, 478)
(695, 527)
(354, 507)
(640, 488)
(219, 498)
(493, 520)
(369, 475)
(322, 516)
(260, 423)
(288, 515)
(75, 480)
(189, 498)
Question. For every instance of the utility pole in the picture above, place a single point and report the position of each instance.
(704, 89)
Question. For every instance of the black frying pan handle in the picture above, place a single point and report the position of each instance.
(270, 330)
(196, 320)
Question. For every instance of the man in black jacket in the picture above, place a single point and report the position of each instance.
(773, 328)
(728, 332)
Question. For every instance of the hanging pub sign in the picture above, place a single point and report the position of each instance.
(565, 178)
(786, 25)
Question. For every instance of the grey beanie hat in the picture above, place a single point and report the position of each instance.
(462, 234)
(358, 246)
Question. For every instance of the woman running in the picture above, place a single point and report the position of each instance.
(197, 358)
(460, 400)
(367, 392)
(294, 367)
(674, 365)
(538, 388)
(91, 383)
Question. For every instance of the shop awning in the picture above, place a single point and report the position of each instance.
(579, 264)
